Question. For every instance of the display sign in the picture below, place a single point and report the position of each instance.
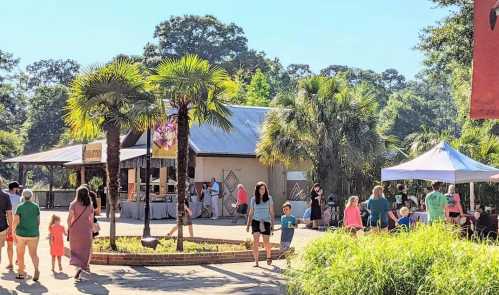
(164, 140)
(485, 86)
(92, 152)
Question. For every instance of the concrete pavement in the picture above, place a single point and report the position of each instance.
(234, 278)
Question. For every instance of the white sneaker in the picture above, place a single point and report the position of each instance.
(214, 218)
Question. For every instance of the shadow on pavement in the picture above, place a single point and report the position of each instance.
(93, 284)
(61, 276)
(261, 281)
(31, 287)
(147, 279)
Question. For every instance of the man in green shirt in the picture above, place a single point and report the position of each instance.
(436, 204)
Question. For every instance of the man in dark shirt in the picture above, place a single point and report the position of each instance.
(5, 217)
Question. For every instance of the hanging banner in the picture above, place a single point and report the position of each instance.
(164, 140)
(92, 153)
(485, 86)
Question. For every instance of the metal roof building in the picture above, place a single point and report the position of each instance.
(204, 140)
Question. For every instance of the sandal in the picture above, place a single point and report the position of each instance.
(77, 275)
(269, 261)
(21, 276)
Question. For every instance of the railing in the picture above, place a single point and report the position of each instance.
(61, 198)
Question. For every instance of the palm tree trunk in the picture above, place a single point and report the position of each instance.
(113, 167)
(183, 148)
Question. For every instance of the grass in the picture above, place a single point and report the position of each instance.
(429, 260)
(133, 245)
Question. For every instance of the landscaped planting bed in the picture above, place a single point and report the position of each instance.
(165, 245)
(196, 251)
(428, 260)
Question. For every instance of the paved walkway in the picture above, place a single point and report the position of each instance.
(234, 278)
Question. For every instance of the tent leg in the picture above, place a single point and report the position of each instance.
(472, 196)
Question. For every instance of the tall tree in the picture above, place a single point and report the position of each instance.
(45, 123)
(7, 64)
(51, 72)
(299, 71)
(330, 125)
(450, 41)
(204, 36)
(12, 100)
(10, 146)
(258, 91)
(196, 90)
(404, 114)
(382, 84)
(109, 99)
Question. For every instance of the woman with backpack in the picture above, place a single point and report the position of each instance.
(261, 219)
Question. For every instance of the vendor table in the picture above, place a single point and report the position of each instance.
(158, 210)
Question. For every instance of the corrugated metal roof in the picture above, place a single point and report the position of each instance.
(55, 156)
(125, 154)
(204, 139)
(241, 140)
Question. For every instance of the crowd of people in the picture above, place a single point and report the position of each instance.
(20, 227)
(20, 219)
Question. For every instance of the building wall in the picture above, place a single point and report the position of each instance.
(247, 170)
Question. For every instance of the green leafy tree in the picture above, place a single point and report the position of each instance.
(196, 90)
(45, 123)
(10, 146)
(109, 99)
(299, 71)
(12, 99)
(450, 41)
(51, 72)
(404, 114)
(330, 125)
(382, 84)
(204, 36)
(258, 91)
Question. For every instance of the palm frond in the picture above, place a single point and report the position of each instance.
(192, 82)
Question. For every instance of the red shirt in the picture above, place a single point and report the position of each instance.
(242, 196)
(352, 217)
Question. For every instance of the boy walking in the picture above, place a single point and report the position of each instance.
(288, 225)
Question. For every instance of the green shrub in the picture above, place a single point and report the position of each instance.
(428, 260)
(166, 245)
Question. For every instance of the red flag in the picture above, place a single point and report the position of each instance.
(485, 86)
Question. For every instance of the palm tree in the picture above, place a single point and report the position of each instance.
(109, 99)
(330, 125)
(420, 142)
(196, 91)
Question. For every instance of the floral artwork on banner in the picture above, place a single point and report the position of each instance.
(164, 140)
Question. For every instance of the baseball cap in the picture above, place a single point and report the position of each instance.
(14, 185)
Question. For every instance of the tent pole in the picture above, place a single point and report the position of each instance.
(472, 196)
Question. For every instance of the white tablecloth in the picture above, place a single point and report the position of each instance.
(157, 210)
(419, 216)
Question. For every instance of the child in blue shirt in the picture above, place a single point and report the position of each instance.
(288, 225)
(404, 222)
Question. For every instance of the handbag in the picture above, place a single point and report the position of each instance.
(72, 223)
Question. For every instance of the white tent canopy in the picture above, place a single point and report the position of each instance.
(441, 163)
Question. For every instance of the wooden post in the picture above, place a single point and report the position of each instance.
(21, 174)
(82, 175)
(163, 181)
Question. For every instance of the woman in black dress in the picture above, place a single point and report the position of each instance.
(316, 214)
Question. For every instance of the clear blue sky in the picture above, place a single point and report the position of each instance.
(369, 34)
